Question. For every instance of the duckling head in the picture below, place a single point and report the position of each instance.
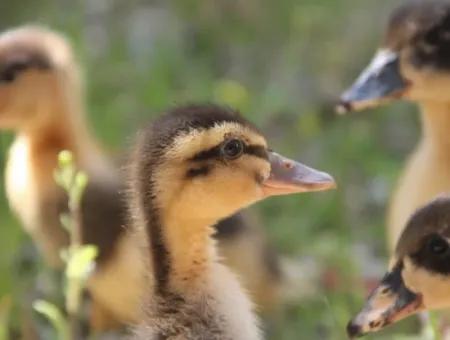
(207, 161)
(419, 274)
(413, 62)
(35, 65)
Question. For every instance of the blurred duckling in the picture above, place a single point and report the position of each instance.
(41, 100)
(413, 63)
(419, 273)
(191, 168)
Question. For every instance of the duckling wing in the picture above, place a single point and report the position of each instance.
(104, 214)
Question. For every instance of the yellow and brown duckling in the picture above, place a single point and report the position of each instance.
(419, 273)
(413, 63)
(191, 168)
(41, 100)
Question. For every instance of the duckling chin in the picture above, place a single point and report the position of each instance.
(413, 63)
(419, 273)
(192, 167)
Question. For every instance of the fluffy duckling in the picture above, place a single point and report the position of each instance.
(413, 63)
(41, 100)
(193, 167)
(419, 274)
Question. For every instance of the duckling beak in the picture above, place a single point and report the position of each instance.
(288, 177)
(380, 82)
(390, 302)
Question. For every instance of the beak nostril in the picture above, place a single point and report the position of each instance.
(288, 165)
(385, 291)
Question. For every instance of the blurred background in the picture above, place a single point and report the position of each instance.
(283, 64)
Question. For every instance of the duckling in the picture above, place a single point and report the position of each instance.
(192, 167)
(413, 63)
(419, 273)
(41, 100)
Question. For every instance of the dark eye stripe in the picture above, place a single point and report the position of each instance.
(435, 263)
(257, 151)
(205, 155)
(196, 172)
(215, 153)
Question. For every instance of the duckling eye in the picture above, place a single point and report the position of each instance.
(438, 246)
(232, 149)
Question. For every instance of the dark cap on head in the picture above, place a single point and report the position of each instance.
(185, 118)
(424, 26)
(434, 218)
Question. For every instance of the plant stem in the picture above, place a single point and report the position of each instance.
(74, 285)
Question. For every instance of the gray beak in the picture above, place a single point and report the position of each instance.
(288, 176)
(381, 81)
(390, 302)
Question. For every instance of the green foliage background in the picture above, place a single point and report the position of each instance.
(283, 63)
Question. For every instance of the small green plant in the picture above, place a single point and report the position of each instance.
(79, 259)
(54, 316)
(430, 330)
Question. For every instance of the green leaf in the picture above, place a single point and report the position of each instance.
(81, 180)
(80, 262)
(65, 158)
(54, 316)
(65, 173)
(80, 183)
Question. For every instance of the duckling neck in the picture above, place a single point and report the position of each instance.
(195, 294)
(190, 250)
(64, 128)
(436, 125)
(51, 137)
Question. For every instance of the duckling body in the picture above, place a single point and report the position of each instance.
(427, 173)
(41, 101)
(43, 106)
(412, 64)
(38, 202)
(33, 194)
(191, 168)
(25, 194)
